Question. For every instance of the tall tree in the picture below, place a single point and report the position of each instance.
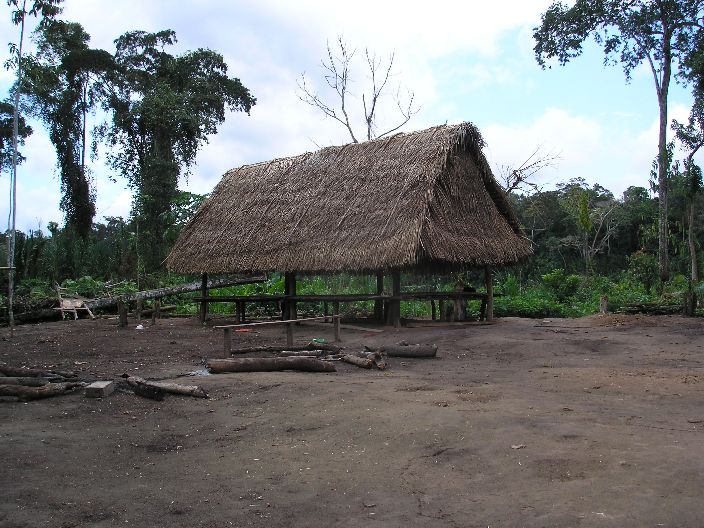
(661, 33)
(63, 80)
(45, 10)
(164, 108)
(6, 135)
(691, 136)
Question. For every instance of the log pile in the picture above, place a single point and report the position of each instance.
(34, 384)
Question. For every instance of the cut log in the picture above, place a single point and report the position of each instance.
(35, 393)
(358, 361)
(217, 366)
(164, 386)
(28, 382)
(28, 372)
(410, 351)
(280, 348)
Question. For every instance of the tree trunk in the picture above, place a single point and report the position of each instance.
(692, 245)
(172, 388)
(410, 351)
(172, 290)
(217, 366)
(663, 169)
(35, 393)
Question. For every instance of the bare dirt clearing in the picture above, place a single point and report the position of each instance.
(589, 422)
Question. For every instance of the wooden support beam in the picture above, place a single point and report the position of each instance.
(489, 294)
(203, 294)
(227, 348)
(156, 311)
(122, 311)
(379, 304)
(325, 310)
(433, 314)
(336, 320)
(395, 305)
(289, 334)
(290, 311)
(138, 311)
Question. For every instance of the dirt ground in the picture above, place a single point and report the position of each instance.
(589, 422)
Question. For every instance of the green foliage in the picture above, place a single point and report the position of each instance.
(644, 268)
(164, 108)
(561, 285)
(23, 129)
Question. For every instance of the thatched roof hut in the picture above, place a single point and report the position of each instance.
(424, 199)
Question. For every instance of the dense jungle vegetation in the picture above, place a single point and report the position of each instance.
(160, 108)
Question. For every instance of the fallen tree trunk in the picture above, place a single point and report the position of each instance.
(217, 366)
(310, 347)
(365, 363)
(22, 372)
(171, 290)
(27, 382)
(303, 353)
(35, 393)
(410, 351)
(165, 386)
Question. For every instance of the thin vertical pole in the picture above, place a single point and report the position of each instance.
(396, 303)
(336, 319)
(379, 304)
(489, 294)
(204, 301)
(227, 346)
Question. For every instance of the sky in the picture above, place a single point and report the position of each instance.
(463, 61)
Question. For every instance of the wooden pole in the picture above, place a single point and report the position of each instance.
(156, 311)
(396, 304)
(203, 294)
(138, 311)
(122, 311)
(489, 294)
(379, 304)
(227, 348)
(433, 315)
(325, 310)
(289, 334)
(336, 320)
(290, 311)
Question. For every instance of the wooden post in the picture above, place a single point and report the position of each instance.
(290, 311)
(441, 307)
(204, 293)
(289, 334)
(433, 314)
(379, 304)
(242, 311)
(336, 319)
(396, 304)
(325, 311)
(489, 294)
(156, 311)
(138, 311)
(122, 310)
(227, 349)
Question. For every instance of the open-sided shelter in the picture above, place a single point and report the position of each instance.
(424, 200)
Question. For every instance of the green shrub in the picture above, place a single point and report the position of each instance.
(561, 285)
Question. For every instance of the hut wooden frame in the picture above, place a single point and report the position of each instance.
(424, 201)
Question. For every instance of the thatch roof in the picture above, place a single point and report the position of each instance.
(425, 198)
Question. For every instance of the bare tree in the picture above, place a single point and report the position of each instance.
(337, 74)
(522, 177)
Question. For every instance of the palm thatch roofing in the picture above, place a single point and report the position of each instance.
(424, 199)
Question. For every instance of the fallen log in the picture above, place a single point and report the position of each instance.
(365, 363)
(35, 393)
(410, 351)
(22, 372)
(27, 382)
(310, 347)
(172, 290)
(165, 386)
(217, 366)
